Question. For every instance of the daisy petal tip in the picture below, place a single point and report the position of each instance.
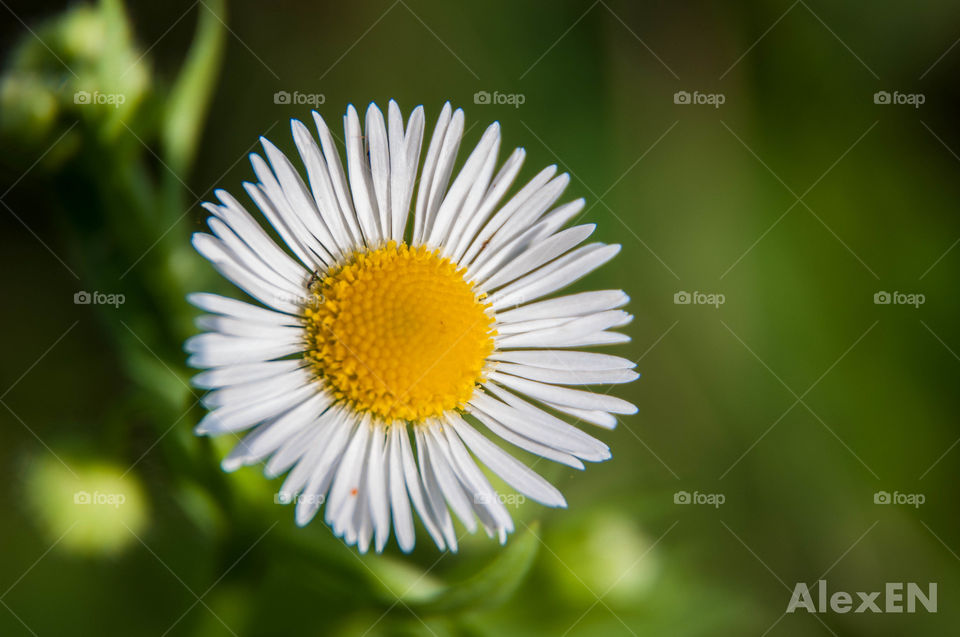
(268, 146)
(229, 465)
(303, 516)
(298, 128)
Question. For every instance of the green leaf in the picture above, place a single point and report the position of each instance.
(191, 93)
(494, 584)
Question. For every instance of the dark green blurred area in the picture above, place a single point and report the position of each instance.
(797, 399)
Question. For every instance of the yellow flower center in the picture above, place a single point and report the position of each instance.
(398, 332)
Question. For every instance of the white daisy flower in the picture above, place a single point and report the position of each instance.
(391, 350)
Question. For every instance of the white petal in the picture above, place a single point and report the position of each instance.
(562, 359)
(215, 350)
(256, 390)
(254, 235)
(569, 333)
(238, 309)
(445, 163)
(241, 275)
(244, 373)
(346, 483)
(326, 428)
(417, 489)
(592, 416)
(569, 376)
(431, 485)
(576, 398)
(379, 154)
(292, 450)
(466, 179)
(535, 256)
(288, 234)
(536, 448)
(483, 494)
(267, 438)
(511, 470)
(337, 178)
(555, 275)
(427, 175)
(301, 224)
(324, 467)
(321, 186)
(399, 501)
(514, 205)
(528, 212)
(452, 491)
(241, 327)
(404, 162)
(358, 173)
(541, 427)
(501, 183)
(466, 222)
(570, 305)
(232, 419)
(377, 488)
(299, 200)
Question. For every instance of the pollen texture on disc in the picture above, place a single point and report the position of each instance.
(398, 332)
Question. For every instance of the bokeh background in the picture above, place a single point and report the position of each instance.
(795, 401)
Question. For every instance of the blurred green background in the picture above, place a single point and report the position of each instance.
(797, 399)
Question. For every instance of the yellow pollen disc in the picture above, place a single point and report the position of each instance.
(398, 332)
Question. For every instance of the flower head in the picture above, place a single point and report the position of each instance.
(400, 337)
